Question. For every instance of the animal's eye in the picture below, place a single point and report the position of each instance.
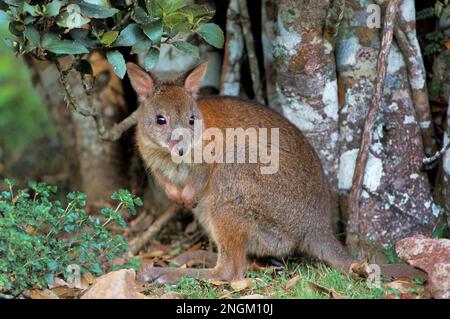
(191, 120)
(161, 120)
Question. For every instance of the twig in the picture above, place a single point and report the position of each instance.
(438, 154)
(70, 98)
(123, 21)
(250, 46)
(114, 133)
(139, 242)
(366, 140)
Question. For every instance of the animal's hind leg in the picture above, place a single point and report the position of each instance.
(231, 264)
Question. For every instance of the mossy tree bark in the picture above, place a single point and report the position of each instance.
(396, 200)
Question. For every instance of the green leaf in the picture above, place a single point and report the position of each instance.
(32, 35)
(101, 3)
(30, 9)
(29, 19)
(115, 58)
(150, 5)
(187, 48)
(14, 2)
(175, 18)
(151, 58)
(141, 46)
(54, 44)
(183, 27)
(97, 12)
(109, 37)
(154, 30)
(140, 16)
(72, 18)
(82, 36)
(129, 36)
(212, 34)
(164, 7)
(52, 9)
(16, 28)
(52, 265)
(198, 13)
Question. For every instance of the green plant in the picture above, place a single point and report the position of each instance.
(48, 29)
(435, 41)
(41, 236)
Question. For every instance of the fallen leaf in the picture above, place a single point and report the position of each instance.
(43, 294)
(448, 45)
(158, 246)
(90, 279)
(254, 296)
(197, 246)
(226, 294)
(216, 282)
(172, 295)
(256, 266)
(360, 269)
(66, 292)
(292, 282)
(191, 227)
(30, 230)
(242, 284)
(405, 286)
(152, 254)
(330, 292)
(58, 282)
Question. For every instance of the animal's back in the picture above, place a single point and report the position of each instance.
(285, 207)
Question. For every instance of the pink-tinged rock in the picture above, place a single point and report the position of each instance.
(440, 281)
(432, 256)
(114, 285)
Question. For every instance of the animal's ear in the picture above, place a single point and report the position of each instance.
(193, 80)
(141, 81)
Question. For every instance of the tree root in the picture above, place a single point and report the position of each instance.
(143, 239)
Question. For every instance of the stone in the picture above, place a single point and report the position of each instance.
(115, 285)
(431, 255)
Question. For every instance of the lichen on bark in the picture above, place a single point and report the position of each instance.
(396, 201)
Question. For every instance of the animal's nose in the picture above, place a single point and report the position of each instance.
(180, 151)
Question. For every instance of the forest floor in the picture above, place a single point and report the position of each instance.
(300, 277)
(307, 280)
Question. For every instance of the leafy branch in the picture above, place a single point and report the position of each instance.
(50, 29)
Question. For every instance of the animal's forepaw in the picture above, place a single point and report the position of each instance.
(189, 196)
(190, 204)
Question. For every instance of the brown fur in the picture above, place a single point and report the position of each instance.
(243, 211)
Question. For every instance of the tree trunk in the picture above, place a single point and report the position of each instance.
(444, 184)
(396, 201)
(306, 86)
(99, 166)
